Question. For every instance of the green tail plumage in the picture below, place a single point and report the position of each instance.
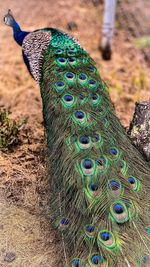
(100, 183)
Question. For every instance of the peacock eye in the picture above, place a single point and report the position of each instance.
(76, 263)
(134, 183)
(105, 236)
(114, 185)
(72, 61)
(94, 96)
(79, 115)
(95, 259)
(73, 49)
(131, 180)
(94, 187)
(118, 208)
(61, 61)
(92, 69)
(89, 231)
(106, 239)
(59, 86)
(119, 212)
(64, 222)
(59, 51)
(69, 75)
(145, 260)
(90, 228)
(68, 100)
(82, 77)
(92, 84)
(87, 164)
(95, 99)
(84, 140)
(71, 53)
(113, 152)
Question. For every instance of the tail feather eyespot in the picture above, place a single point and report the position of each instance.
(119, 212)
(113, 153)
(61, 61)
(68, 101)
(97, 261)
(82, 79)
(107, 240)
(80, 117)
(90, 231)
(95, 99)
(76, 263)
(59, 86)
(84, 142)
(134, 183)
(87, 166)
(69, 77)
(92, 84)
(115, 187)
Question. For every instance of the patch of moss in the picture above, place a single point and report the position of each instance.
(9, 130)
(142, 42)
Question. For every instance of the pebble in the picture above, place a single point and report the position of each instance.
(10, 256)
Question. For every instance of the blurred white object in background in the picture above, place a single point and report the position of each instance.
(108, 28)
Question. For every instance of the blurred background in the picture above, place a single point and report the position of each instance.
(27, 239)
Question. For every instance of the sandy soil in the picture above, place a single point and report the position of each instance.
(27, 239)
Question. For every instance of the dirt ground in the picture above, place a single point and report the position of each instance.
(26, 237)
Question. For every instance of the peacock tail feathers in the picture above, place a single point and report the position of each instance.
(99, 181)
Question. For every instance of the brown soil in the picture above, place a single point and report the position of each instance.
(26, 237)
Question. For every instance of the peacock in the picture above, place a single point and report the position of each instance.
(100, 183)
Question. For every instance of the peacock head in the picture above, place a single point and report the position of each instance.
(19, 35)
(33, 45)
(10, 21)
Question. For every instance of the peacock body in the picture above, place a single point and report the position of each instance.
(100, 183)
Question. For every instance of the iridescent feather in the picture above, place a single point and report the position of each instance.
(100, 183)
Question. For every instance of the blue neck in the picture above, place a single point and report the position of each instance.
(19, 35)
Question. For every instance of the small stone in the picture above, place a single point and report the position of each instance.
(2, 173)
(71, 26)
(10, 256)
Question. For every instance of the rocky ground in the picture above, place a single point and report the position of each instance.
(26, 237)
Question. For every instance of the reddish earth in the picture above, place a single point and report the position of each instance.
(27, 239)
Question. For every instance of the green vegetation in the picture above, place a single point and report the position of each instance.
(142, 42)
(9, 130)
